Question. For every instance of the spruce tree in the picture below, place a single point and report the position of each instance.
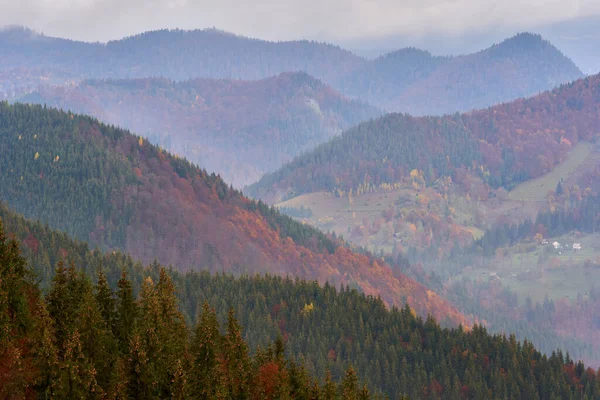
(235, 361)
(349, 385)
(97, 340)
(77, 375)
(126, 312)
(329, 391)
(106, 301)
(45, 354)
(205, 349)
(16, 321)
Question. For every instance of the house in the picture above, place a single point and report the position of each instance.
(556, 245)
(576, 246)
(545, 241)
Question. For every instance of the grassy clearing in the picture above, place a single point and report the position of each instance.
(367, 211)
(536, 189)
(539, 271)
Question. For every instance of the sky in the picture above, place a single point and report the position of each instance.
(329, 20)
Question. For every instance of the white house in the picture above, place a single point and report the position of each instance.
(576, 246)
(556, 245)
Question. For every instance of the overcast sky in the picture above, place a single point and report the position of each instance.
(335, 20)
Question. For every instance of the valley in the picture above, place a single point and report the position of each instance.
(189, 213)
(380, 220)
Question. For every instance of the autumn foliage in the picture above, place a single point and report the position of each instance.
(503, 145)
(154, 206)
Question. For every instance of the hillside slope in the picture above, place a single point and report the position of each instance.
(503, 145)
(270, 307)
(113, 189)
(88, 341)
(320, 327)
(241, 129)
(406, 80)
(521, 66)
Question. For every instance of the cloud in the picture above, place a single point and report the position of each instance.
(287, 19)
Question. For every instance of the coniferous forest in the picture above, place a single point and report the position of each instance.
(84, 340)
(77, 322)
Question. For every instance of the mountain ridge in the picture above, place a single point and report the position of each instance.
(242, 129)
(504, 145)
(404, 81)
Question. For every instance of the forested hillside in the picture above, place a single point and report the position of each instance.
(115, 190)
(175, 54)
(87, 341)
(521, 66)
(110, 348)
(241, 129)
(502, 145)
(407, 80)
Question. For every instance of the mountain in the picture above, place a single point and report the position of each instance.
(385, 79)
(175, 54)
(319, 326)
(476, 202)
(503, 145)
(115, 190)
(418, 83)
(407, 80)
(241, 129)
(576, 37)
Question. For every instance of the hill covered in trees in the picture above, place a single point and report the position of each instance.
(407, 80)
(115, 190)
(503, 145)
(84, 340)
(175, 54)
(418, 83)
(132, 313)
(241, 129)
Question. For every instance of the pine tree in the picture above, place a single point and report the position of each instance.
(126, 313)
(161, 338)
(364, 393)
(349, 385)
(329, 391)
(77, 377)
(205, 351)
(137, 380)
(172, 333)
(45, 354)
(106, 301)
(236, 361)
(16, 321)
(97, 340)
(64, 301)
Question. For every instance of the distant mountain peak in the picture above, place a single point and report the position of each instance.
(524, 42)
(302, 78)
(195, 33)
(532, 46)
(407, 51)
